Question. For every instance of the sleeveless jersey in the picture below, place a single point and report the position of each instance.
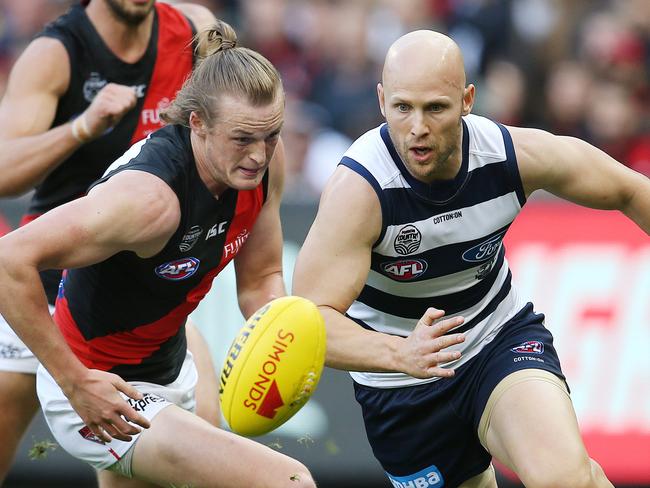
(127, 314)
(155, 78)
(440, 244)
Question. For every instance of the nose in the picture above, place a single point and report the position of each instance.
(258, 152)
(419, 127)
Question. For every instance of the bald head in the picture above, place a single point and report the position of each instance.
(424, 55)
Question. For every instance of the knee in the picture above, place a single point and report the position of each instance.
(300, 477)
(578, 474)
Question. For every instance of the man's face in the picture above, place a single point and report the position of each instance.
(424, 121)
(239, 146)
(132, 12)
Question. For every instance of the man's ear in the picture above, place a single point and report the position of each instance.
(197, 124)
(468, 99)
(380, 96)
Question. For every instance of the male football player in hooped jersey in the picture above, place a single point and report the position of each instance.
(427, 198)
(116, 383)
(90, 85)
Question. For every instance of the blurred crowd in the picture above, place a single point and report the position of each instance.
(577, 67)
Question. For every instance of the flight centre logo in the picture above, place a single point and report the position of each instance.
(407, 240)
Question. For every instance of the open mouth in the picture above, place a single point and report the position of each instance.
(251, 173)
(420, 153)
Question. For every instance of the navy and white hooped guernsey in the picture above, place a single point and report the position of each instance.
(441, 244)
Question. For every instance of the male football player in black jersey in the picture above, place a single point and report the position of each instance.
(91, 84)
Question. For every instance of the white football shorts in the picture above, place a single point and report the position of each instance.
(15, 357)
(73, 435)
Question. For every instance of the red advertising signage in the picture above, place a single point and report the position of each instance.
(588, 271)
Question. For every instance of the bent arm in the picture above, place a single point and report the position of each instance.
(258, 265)
(332, 268)
(132, 211)
(579, 172)
(29, 149)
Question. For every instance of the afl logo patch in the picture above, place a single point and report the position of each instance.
(179, 269)
(485, 250)
(405, 270)
(408, 240)
(190, 238)
(530, 347)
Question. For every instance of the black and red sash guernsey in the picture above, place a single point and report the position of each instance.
(127, 314)
(156, 77)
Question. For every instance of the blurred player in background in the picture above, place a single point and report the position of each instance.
(141, 250)
(92, 83)
(427, 199)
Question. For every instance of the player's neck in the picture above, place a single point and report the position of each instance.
(127, 42)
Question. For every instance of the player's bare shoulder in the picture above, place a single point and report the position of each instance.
(201, 16)
(537, 153)
(349, 200)
(44, 66)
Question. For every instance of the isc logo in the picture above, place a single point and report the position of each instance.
(405, 270)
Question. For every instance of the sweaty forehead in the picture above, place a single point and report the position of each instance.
(238, 114)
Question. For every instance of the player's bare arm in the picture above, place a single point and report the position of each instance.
(259, 263)
(331, 270)
(579, 172)
(133, 211)
(30, 149)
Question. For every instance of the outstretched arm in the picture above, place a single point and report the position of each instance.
(331, 270)
(132, 211)
(577, 171)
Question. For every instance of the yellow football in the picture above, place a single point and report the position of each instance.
(273, 366)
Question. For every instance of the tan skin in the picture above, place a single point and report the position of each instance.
(136, 211)
(31, 150)
(423, 96)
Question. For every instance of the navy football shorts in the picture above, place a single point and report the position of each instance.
(427, 435)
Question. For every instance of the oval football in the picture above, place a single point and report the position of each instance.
(273, 366)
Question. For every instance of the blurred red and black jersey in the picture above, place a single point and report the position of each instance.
(156, 77)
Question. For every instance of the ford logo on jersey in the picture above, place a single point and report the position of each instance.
(485, 250)
(179, 269)
(405, 270)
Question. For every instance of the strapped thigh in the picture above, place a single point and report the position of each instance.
(508, 382)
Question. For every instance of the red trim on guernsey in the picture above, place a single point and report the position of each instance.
(170, 71)
(27, 218)
(133, 346)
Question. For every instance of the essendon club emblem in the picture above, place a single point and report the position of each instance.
(529, 347)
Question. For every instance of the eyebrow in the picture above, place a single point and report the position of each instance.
(243, 132)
